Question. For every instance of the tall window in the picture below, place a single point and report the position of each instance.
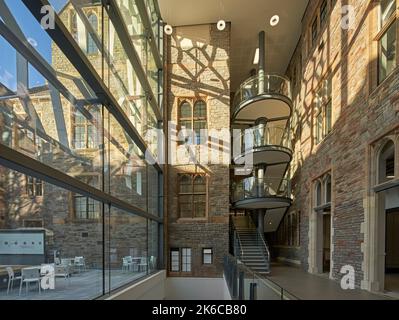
(319, 21)
(315, 30)
(91, 45)
(174, 260)
(288, 233)
(87, 208)
(84, 132)
(193, 118)
(34, 187)
(323, 116)
(192, 196)
(387, 43)
(186, 260)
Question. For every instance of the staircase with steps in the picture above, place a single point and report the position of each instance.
(251, 247)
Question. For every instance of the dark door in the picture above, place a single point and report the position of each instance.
(326, 242)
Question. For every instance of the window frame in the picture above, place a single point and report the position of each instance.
(171, 251)
(193, 140)
(203, 256)
(316, 21)
(382, 29)
(34, 187)
(192, 177)
(323, 110)
(86, 125)
(185, 256)
(97, 216)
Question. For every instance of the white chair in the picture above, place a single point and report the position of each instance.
(11, 278)
(126, 264)
(143, 263)
(62, 271)
(57, 261)
(79, 263)
(30, 276)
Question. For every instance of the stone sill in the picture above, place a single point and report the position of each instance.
(388, 79)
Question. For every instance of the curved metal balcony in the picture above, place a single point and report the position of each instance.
(267, 193)
(265, 144)
(263, 96)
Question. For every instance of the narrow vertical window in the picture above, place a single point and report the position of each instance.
(174, 260)
(91, 45)
(207, 256)
(186, 260)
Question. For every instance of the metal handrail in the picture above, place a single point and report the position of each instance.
(263, 241)
(236, 235)
(236, 263)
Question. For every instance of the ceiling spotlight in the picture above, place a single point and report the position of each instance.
(168, 29)
(221, 25)
(274, 20)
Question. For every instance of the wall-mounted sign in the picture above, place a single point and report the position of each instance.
(21, 242)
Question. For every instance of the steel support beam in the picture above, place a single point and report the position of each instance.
(61, 36)
(123, 33)
(141, 7)
(17, 161)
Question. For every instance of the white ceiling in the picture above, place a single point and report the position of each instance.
(247, 18)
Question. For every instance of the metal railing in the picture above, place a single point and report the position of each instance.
(261, 242)
(272, 84)
(245, 284)
(262, 136)
(252, 188)
(237, 245)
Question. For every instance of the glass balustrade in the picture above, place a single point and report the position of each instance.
(252, 188)
(269, 84)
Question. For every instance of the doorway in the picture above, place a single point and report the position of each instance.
(392, 250)
(326, 243)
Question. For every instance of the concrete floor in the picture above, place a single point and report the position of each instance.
(306, 286)
(84, 286)
(392, 284)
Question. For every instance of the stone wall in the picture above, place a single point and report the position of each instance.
(362, 112)
(198, 67)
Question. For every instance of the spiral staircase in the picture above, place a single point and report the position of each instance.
(261, 114)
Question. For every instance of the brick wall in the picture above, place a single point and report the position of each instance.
(361, 113)
(198, 66)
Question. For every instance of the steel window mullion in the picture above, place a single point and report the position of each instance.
(117, 20)
(17, 161)
(148, 26)
(79, 60)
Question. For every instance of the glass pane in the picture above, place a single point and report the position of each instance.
(186, 206)
(186, 184)
(127, 166)
(199, 184)
(185, 110)
(387, 59)
(200, 109)
(153, 240)
(129, 258)
(42, 232)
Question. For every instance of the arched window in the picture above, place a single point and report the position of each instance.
(91, 45)
(327, 189)
(192, 117)
(192, 196)
(318, 194)
(386, 162)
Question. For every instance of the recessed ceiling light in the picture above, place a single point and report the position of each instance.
(274, 20)
(168, 29)
(221, 25)
(256, 57)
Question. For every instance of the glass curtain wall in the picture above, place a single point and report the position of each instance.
(76, 192)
